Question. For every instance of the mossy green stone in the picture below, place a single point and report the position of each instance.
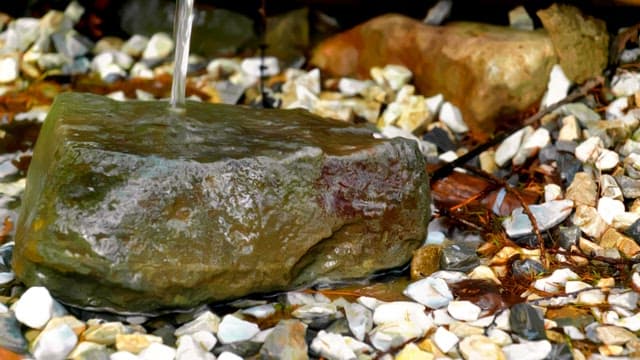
(131, 207)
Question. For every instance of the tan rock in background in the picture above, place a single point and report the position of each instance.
(581, 42)
(489, 72)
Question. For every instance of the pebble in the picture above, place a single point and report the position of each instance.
(480, 347)
(260, 311)
(227, 355)
(11, 337)
(527, 322)
(547, 215)
(9, 69)
(252, 66)
(360, 320)
(286, 341)
(431, 292)
(625, 83)
(207, 321)
(451, 116)
(531, 144)
(393, 334)
(459, 257)
(614, 335)
(589, 221)
(530, 350)
(55, 344)
(396, 76)
(608, 208)
(104, 333)
(509, 147)
(520, 19)
(463, 310)
(136, 342)
(570, 129)
(589, 150)
(445, 339)
(123, 355)
(135, 45)
(411, 351)
(86, 350)
(158, 48)
(157, 351)
(332, 346)
(557, 88)
(607, 160)
(609, 187)
(232, 329)
(35, 307)
(189, 349)
(555, 281)
(586, 116)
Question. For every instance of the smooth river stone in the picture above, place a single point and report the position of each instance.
(137, 208)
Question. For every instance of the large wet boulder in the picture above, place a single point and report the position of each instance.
(133, 208)
(489, 72)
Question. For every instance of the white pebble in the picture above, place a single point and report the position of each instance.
(55, 344)
(251, 66)
(509, 147)
(555, 281)
(123, 355)
(159, 47)
(451, 116)
(402, 310)
(226, 355)
(232, 330)
(396, 76)
(157, 351)
(463, 310)
(332, 346)
(9, 69)
(445, 339)
(557, 88)
(607, 160)
(589, 150)
(207, 321)
(552, 192)
(608, 208)
(35, 307)
(430, 292)
(530, 350)
(359, 318)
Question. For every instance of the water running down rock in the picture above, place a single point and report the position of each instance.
(143, 209)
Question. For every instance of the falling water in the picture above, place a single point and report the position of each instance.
(182, 35)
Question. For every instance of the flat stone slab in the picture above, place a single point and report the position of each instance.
(130, 207)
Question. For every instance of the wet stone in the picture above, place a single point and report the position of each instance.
(634, 231)
(425, 261)
(459, 257)
(526, 268)
(630, 187)
(526, 321)
(286, 341)
(568, 236)
(174, 181)
(11, 337)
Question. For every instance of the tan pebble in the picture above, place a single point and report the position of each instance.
(135, 343)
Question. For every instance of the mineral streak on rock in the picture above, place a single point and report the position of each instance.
(141, 209)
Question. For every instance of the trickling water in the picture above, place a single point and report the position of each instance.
(182, 35)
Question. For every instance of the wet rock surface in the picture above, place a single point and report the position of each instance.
(219, 191)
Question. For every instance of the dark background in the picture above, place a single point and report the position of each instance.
(347, 12)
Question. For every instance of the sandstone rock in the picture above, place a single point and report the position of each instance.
(141, 208)
(489, 72)
(581, 42)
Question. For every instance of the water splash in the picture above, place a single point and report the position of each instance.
(182, 35)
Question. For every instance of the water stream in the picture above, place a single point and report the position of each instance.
(182, 35)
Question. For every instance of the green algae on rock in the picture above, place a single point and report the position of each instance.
(130, 207)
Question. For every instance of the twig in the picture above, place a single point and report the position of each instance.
(582, 91)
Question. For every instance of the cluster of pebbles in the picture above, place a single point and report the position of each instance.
(593, 214)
